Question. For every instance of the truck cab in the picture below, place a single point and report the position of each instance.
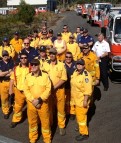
(113, 35)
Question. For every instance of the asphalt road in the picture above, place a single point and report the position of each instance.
(104, 116)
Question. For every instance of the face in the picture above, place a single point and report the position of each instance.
(59, 37)
(5, 43)
(69, 58)
(35, 68)
(78, 30)
(23, 59)
(44, 28)
(65, 29)
(85, 50)
(52, 56)
(6, 58)
(43, 54)
(35, 34)
(85, 33)
(71, 40)
(16, 36)
(100, 38)
(50, 34)
(80, 67)
(26, 43)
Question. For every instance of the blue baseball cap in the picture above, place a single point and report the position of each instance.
(5, 39)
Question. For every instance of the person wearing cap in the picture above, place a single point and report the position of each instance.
(6, 67)
(35, 39)
(17, 83)
(6, 46)
(43, 58)
(45, 41)
(51, 36)
(66, 33)
(102, 50)
(78, 39)
(73, 47)
(77, 32)
(58, 76)
(60, 46)
(81, 90)
(30, 51)
(16, 42)
(91, 63)
(86, 38)
(37, 90)
(70, 66)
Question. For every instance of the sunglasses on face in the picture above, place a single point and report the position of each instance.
(23, 57)
(52, 54)
(69, 57)
(34, 64)
(26, 43)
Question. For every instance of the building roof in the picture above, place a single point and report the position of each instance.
(31, 2)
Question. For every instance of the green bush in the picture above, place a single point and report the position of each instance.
(26, 12)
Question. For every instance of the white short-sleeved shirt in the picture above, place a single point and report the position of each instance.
(101, 47)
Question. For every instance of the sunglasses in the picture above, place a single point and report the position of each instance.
(23, 57)
(26, 43)
(34, 64)
(52, 53)
(68, 57)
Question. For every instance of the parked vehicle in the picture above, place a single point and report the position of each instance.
(85, 10)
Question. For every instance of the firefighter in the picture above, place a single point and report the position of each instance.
(6, 46)
(30, 51)
(77, 32)
(70, 66)
(58, 76)
(43, 58)
(73, 47)
(78, 39)
(35, 39)
(81, 90)
(66, 33)
(91, 63)
(37, 90)
(86, 38)
(60, 46)
(16, 42)
(6, 67)
(17, 82)
(51, 35)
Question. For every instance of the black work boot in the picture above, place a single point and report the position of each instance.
(13, 124)
(72, 117)
(81, 137)
(6, 116)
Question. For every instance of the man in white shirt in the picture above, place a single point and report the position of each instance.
(102, 50)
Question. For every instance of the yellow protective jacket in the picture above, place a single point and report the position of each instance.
(8, 48)
(74, 49)
(65, 36)
(17, 44)
(36, 87)
(91, 64)
(81, 85)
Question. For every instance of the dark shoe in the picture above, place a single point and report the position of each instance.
(72, 117)
(13, 124)
(76, 128)
(105, 89)
(6, 116)
(81, 137)
(62, 131)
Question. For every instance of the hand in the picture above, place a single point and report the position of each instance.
(35, 102)
(97, 82)
(85, 104)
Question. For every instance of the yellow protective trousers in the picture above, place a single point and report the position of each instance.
(43, 115)
(4, 97)
(18, 106)
(72, 110)
(59, 101)
(81, 115)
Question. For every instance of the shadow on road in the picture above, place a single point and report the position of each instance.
(92, 109)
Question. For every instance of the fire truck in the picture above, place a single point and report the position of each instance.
(85, 9)
(96, 12)
(113, 35)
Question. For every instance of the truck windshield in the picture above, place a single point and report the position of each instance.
(103, 6)
(118, 27)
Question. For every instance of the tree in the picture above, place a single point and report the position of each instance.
(26, 12)
(3, 3)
